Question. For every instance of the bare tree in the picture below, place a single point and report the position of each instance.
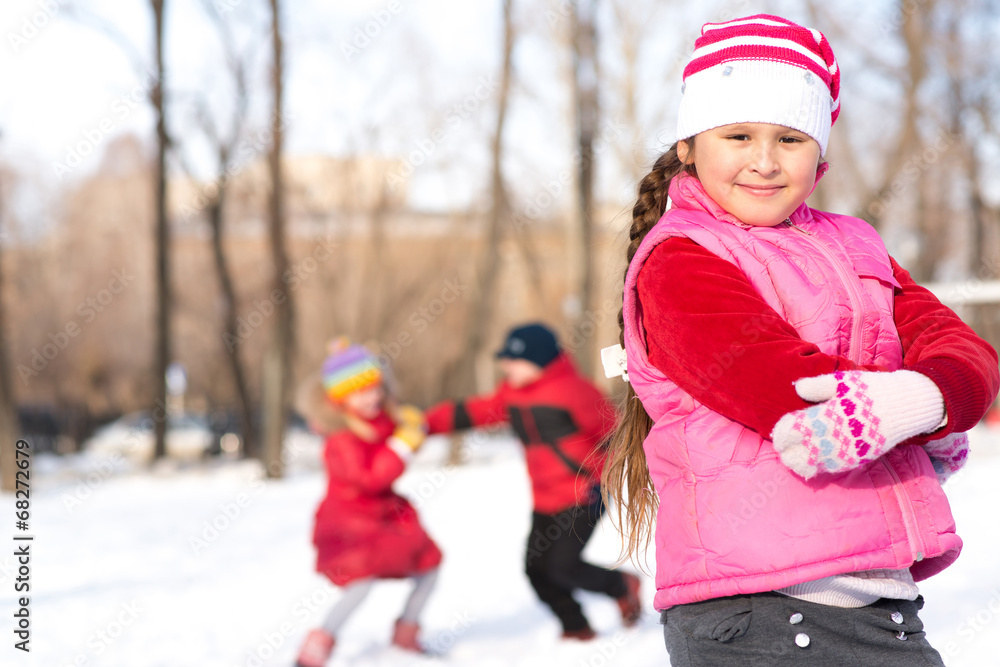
(632, 34)
(462, 377)
(916, 27)
(585, 81)
(971, 72)
(916, 35)
(277, 358)
(162, 350)
(161, 234)
(224, 144)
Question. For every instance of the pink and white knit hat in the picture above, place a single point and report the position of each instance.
(761, 69)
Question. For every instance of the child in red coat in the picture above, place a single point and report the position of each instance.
(563, 421)
(364, 531)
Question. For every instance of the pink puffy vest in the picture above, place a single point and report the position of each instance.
(732, 518)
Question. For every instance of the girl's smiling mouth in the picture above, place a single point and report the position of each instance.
(760, 190)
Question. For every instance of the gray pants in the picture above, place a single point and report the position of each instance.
(356, 592)
(774, 630)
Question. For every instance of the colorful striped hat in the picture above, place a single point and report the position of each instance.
(349, 368)
(761, 69)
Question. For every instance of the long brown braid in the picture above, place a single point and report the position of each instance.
(626, 479)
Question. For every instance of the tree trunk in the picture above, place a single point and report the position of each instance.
(8, 413)
(277, 357)
(216, 210)
(225, 144)
(162, 244)
(462, 377)
(585, 97)
(371, 306)
(916, 29)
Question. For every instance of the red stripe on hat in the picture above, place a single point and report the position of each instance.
(800, 35)
(759, 53)
(760, 26)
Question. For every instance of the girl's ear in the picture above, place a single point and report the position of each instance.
(684, 152)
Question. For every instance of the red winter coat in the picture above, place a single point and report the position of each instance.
(562, 419)
(363, 529)
(691, 322)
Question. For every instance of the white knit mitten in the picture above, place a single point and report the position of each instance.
(948, 454)
(859, 416)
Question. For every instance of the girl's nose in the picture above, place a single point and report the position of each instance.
(763, 161)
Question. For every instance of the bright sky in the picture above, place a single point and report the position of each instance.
(68, 85)
(70, 82)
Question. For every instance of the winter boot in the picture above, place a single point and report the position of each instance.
(404, 636)
(586, 633)
(316, 649)
(629, 603)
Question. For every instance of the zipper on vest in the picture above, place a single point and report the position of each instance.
(909, 515)
(852, 291)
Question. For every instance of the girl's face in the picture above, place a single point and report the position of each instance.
(366, 403)
(758, 172)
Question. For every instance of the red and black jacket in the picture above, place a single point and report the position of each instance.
(562, 419)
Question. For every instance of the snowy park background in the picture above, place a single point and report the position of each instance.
(427, 208)
(211, 566)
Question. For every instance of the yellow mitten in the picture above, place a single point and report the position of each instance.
(410, 433)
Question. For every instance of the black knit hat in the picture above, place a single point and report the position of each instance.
(533, 342)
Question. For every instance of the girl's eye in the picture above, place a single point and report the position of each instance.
(790, 140)
(738, 137)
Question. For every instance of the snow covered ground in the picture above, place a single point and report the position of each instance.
(208, 565)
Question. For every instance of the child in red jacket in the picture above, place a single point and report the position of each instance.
(563, 420)
(364, 531)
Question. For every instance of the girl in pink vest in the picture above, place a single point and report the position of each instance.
(795, 399)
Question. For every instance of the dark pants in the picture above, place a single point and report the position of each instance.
(756, 631)
(554, 567)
